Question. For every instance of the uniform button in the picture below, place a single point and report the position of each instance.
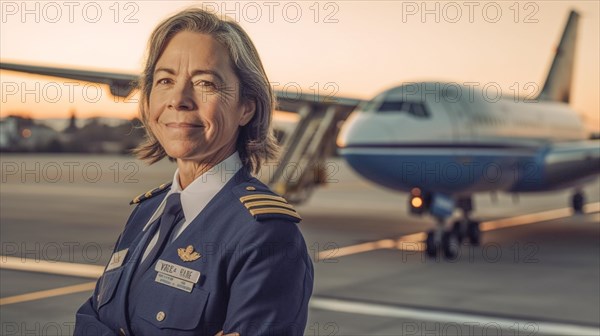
(122, 332)
(160, 316)
(250, 188)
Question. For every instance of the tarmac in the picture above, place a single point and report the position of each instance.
(537, 271)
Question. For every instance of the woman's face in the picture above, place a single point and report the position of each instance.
(194, 108)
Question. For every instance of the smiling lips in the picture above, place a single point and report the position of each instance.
(180, 125)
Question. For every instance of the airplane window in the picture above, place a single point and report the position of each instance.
(418, 110)
(414, 109)
(393, 106)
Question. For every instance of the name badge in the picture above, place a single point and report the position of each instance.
(174, 282)
(117, 259)
(177, 271)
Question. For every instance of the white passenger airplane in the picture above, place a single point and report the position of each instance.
(442, 142)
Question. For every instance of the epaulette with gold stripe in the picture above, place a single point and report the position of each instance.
(263, 204)
(151, 193)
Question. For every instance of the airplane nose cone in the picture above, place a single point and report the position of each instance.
(363, 129)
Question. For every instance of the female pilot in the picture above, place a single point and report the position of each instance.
(214, 251)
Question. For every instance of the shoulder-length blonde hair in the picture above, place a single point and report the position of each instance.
(256, 142)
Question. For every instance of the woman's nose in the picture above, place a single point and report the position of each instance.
(182, 98)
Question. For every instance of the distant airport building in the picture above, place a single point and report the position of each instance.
(9, 132)
(23, 134)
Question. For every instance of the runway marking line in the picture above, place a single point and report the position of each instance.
(452, 319)
(51, 267)
(414, 241)
(43, 294)
(410, 242)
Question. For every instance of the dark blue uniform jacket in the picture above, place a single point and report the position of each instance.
(255, 274)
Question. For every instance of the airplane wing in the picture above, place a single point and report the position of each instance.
(563, 161)
(121, 84)
(124, 84)
(558, 166)
(302, 164)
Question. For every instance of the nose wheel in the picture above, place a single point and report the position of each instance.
(467, 229)
(447, 240)
(431, 246)
(442, 241)
(473, 233)
(450, 245)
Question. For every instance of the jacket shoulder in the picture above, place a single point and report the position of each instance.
(151, 193)
(264, 204)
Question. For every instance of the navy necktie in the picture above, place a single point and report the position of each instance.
(171, 215)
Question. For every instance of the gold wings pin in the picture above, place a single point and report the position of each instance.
(188, 254)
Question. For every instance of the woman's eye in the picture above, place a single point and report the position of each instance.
(205, 83)
(163, 81)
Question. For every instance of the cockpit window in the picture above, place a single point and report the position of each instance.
(393, 106)
(413, 108)
(418, 110)
(371, 105)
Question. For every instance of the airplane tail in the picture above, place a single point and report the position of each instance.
(558, 83)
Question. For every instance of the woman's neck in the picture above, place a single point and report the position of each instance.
(190, 170)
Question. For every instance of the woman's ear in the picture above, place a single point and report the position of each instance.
(248, 110)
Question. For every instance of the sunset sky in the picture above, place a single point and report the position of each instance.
(363, 47)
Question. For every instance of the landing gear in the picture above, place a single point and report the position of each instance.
(457, 229)
(449, 241)
(450, 245)
(577, 202)
(467, 229)
(473, 233)
(431, 247)
(441, 240)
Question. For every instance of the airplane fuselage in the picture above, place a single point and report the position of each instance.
(454, 139)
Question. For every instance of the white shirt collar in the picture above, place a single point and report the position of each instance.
(196, 196)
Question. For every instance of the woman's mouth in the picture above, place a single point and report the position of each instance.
(183, 125)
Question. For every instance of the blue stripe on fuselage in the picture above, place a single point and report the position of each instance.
(450, 169)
